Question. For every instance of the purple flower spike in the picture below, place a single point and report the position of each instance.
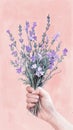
(20, 28)
(33, 58)
(35, 38)
(28, 48)
(32, 36)
(65, 52)
(14, 53)
(34, 25)
(47, 40)
(8, 31)
(11, 46)
(51, 65)
(21, 40)
(27, 26)
(19, 70)
(10, 35)
(20, 34)
(56, 36)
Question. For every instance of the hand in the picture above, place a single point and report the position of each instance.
(47, 110)
(46, 105)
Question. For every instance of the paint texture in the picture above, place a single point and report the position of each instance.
(13, 112)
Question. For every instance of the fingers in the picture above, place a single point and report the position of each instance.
(30, 105)
(29, 89)
(39, 92)
(32, 100)
(31, 97)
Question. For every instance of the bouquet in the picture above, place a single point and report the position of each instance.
(35, 61)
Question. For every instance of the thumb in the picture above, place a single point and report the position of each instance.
(42, 92)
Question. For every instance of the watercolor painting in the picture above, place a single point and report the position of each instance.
(14, 114)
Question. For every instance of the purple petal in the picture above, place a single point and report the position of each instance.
(65, 52)
(56, 36)
(8, 31)
(28, 48)
(11, 46)
(20, 34)
(14, 53)
(34, 24)
(20, 28)
(47, 40)
(35, 38)
(21, 40)
(27, 26)
(33, 58)
(19, 70)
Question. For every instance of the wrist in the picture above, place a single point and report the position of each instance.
(59, 122)
(53, 120)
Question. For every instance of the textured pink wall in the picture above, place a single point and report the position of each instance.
(13, 113)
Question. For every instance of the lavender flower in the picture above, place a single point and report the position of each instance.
(8, 31)
(39, 68)
(65, 52)
(55, 37)
(47, 40)
(19, 70)
(51, 64)
(39, 72)
(37, 61)
(21, 40)
(20, 34)
(38, 56)
(11, 47)
(32, 36)
(33, 58)
(34, 66)
(14, 53)
(27, 26)
(28, 48)
(52, 55)
(20, 29)
(10, 35)
(34, 25)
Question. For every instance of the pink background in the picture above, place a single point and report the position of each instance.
(13, 113)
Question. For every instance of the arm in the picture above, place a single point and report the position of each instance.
(59, 122)
(47, 110)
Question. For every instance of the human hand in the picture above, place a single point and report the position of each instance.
(46, 108)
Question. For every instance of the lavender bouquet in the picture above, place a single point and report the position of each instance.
(36, 61)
